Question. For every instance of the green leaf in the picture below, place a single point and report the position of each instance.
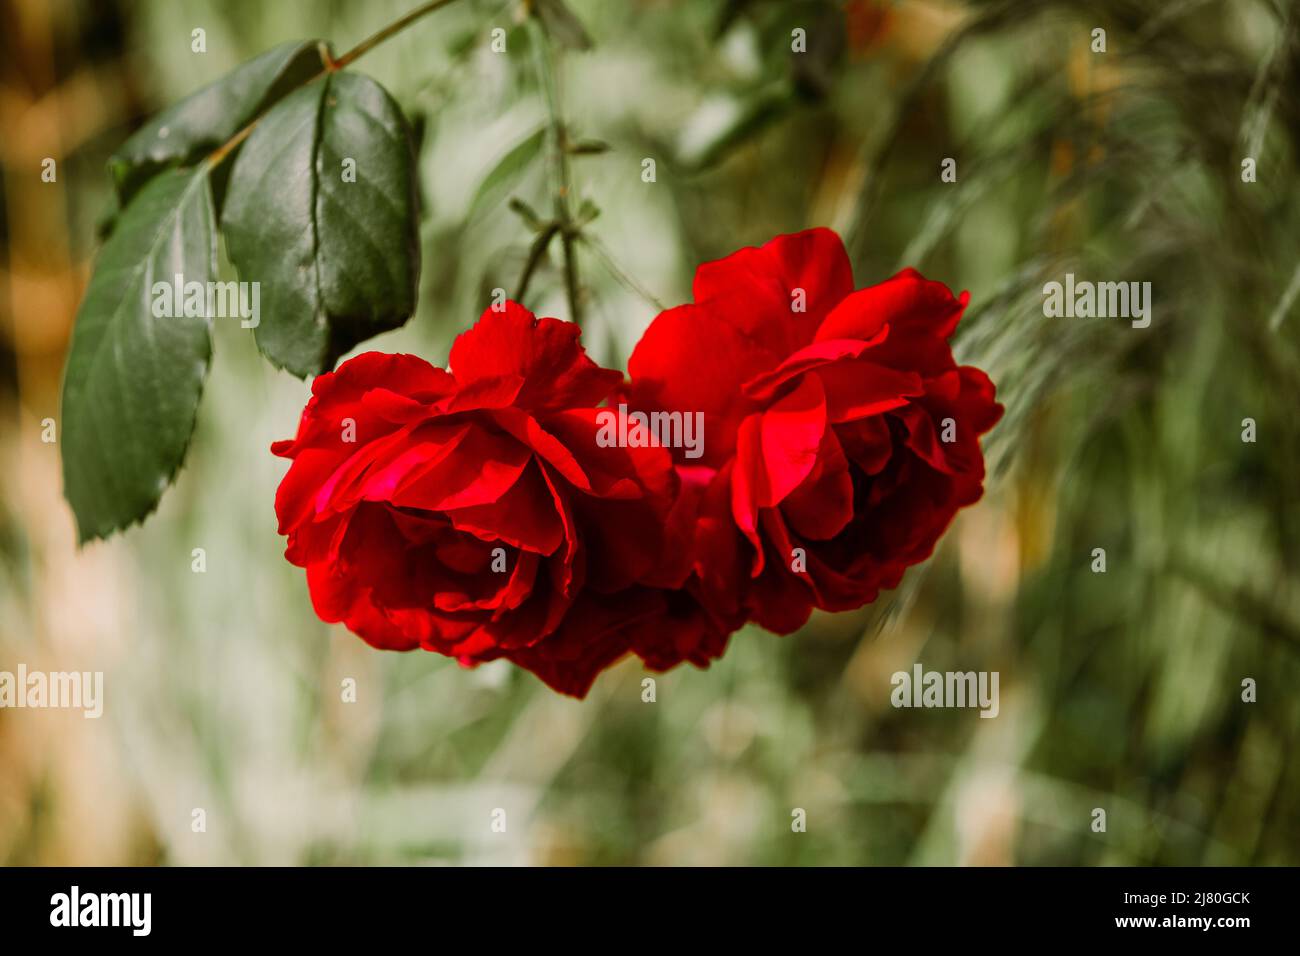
(184, 133)
(133, 380)
(586, 213)
(338, 261)
(527, 213)
(506, 172)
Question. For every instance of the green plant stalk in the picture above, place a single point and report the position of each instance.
(561, 184)
(397, 26)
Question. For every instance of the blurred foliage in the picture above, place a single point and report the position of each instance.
(1119, 690)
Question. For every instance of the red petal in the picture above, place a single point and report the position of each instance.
(295, 498)
(780, 452)
(483, 466)
(337, 395)
(689, 361)
(754, 287)
(590, 639)
(819, 354)
(921, 315)
(823, 504)
(783, 599)
(550, 449)
(682, 631)
(866, 442)
(524, 517)
(545, 353)
(862, 389)
(618, 472)
(419, 452)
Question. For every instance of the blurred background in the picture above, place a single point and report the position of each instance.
(1119, 690)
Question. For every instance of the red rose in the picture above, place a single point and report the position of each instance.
(471, 512)
(840, 436)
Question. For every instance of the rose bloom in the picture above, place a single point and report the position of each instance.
(840, 436)
(470, 512)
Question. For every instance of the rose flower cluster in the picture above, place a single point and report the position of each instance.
(482, 511)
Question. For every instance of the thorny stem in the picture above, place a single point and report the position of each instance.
(571, 276)
(561, 186)
(535, 254)
(562, 224)
(333, 66)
